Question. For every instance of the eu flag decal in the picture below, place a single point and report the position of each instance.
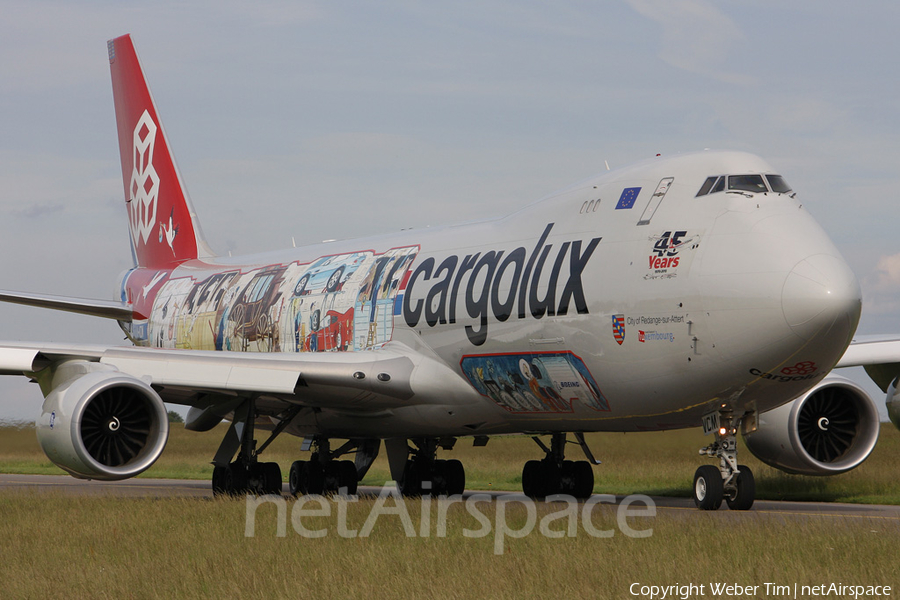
(629, 195)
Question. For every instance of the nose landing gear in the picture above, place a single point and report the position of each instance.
(731, 482)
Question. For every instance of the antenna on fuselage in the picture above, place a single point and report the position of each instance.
(606, 162)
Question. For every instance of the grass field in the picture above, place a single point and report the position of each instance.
(60, 546)
(654, 463)
(63, 547)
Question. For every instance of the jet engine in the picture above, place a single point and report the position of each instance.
(893, 402)
(829, 430)
(102, 424)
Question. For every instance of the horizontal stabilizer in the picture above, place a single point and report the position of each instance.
(108, 309)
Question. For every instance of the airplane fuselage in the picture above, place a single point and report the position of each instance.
(679, 291)
(626, 302)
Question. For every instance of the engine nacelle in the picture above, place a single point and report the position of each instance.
(829, 430)
(893, 402)
(99, 423)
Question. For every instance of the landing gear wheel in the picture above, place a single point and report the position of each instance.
(454, 478)
(567, 482)
(532, 479)
(437, 478)
(236, 478)
(270, 478)
(746, 490)
(347, 478)
(219, 481)
(551, 478)
(584, 480)
(411, 483)
(424, 474)
(297, 479)
(314, 478)
(708, 488)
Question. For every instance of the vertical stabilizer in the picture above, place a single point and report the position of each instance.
(163, 225)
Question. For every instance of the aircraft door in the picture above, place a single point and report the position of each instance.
(655, 200)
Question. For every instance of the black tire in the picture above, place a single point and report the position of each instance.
(271, 477)
(436, 478)
(332, 476)
(233, 479)
(567, 478)
(584, 480)
(411, 482)
(552, 477)
(454, 477)
(296, 478)
(533, 479)
(347, 477)
(315, 478)
(219, 481)
(228, 481)
(709, 489)
(746, 490)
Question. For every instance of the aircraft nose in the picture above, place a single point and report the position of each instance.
(821, 298)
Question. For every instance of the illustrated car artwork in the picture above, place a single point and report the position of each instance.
(328, 274)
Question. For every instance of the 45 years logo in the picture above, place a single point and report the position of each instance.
(666, 255)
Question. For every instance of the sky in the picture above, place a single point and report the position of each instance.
(308, 121)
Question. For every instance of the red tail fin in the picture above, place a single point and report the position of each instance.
(164, 229)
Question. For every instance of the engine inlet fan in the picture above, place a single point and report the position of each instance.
(115, 426)
(827, 425)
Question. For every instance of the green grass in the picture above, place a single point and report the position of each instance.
(57, 546)
(655, 463)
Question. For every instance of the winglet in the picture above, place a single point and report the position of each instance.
(164, 227)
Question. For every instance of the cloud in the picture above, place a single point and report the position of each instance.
(696, 36)
(888, 271)
(279, 13)
(881, 289)
(36, 211)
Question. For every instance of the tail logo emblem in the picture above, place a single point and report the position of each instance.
(144, 187)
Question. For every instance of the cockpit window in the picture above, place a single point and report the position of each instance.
(713, 184)
(707, 185)
(778, 184)
(746, 183)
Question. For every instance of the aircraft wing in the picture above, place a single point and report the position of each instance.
(880, 355)
(390, 377)
(96, 308)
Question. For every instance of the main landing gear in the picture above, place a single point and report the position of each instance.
(730, 481)
(319, 475)
(246, 474)
(419, 472)
(323, 474)
(555, 475)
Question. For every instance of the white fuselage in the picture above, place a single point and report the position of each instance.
(602, 307)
